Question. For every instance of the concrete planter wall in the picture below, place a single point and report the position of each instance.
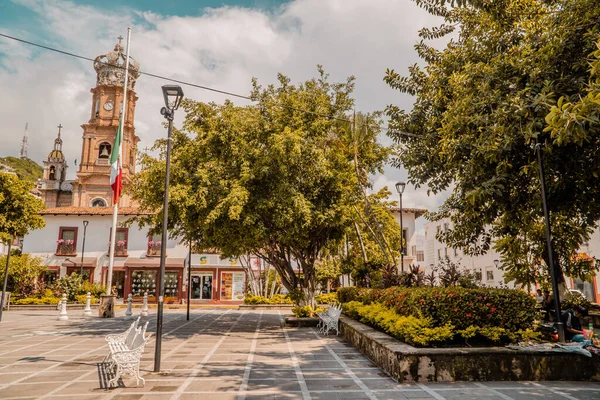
(21, 307)
(410, 364)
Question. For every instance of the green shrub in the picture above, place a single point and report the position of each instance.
(276, 299)
(575, 300)
(351, 293)
(251, 299)
(69, 285)
(95, 289)
(81, 298)
(281, 299)
(409, 329)
(327, 298)
(510, 309)
(306, 311)
(497, 335)
(36, 301)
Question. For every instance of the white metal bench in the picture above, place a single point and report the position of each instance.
(328, 320)
(125, 352)
(128, 335)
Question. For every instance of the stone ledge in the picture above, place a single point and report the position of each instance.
(21, 307)
(411, 364)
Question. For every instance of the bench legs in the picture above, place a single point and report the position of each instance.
(127, 368)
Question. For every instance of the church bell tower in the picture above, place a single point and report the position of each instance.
(92, 188)
(55, 191)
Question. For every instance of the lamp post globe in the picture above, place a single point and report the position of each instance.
(400, 189)
(173, 94)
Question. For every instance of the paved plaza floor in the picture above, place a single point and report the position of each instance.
(219, 354)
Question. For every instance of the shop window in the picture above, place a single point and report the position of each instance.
(171, 284)
(85, 274)
(142, 282)
(50, 276)
(66, 245)
(232, 286)
(121, 238)
(154, 245)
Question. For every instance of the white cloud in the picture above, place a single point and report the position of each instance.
(222, 48)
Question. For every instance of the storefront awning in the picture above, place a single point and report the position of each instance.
(154, 262)
(88, 262)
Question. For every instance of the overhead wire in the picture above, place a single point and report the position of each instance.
(224, 92)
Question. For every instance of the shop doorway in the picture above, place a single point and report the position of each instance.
(202, 286)
(118, 280)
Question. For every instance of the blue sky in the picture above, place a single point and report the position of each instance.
(221, 44)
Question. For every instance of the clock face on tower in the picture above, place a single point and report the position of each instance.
(108, 106)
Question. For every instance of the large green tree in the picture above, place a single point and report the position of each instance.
(481, 105)
(275, 179)
(19, 209)
(23, 273)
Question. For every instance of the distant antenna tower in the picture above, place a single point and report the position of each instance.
(24, 144)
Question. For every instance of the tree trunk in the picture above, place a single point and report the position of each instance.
(362, 245)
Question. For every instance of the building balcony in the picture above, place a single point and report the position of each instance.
(66, 249)
(153, 249)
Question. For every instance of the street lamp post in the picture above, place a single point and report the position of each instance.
(559, 325)
(189, 281)
(85, 224)
(400, 189)
(5, 277)
(173, 95)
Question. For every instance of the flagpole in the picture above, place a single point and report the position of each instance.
(113, 232)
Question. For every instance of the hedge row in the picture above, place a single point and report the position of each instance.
(421, 332)
(327, 298)
(276, 299)
(462, 308)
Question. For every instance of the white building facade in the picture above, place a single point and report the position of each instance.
(67, 247)
(486, 267)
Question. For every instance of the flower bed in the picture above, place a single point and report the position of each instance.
(443, 316)
(276, 299)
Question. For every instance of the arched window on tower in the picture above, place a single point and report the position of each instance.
(52, 174)
(104, 150)
(98, 202)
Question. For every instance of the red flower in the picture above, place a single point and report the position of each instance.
(493, 309)
(468, 315)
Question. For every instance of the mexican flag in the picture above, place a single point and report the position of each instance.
(116, 173)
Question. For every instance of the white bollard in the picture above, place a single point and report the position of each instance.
(63, 316)
(128, 313)
(87, 311)
(145, 306)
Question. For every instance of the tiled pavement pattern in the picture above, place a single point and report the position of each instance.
(219, 354)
